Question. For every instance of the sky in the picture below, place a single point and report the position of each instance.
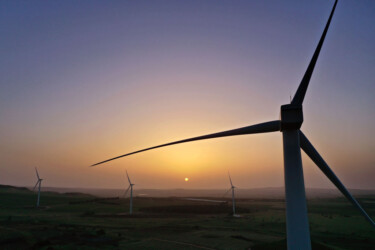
(84, 81)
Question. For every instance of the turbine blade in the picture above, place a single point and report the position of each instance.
(127, 190)
(254, 129)
(128, 177)
(319, 161)
(230, 180)
(226, 192)
(37, 174)
(36, 184)
(301, 91)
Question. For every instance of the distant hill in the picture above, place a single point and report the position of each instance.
(78, 194)
(254, 193)
(8, 187)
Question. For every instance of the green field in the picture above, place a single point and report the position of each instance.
(71, 221)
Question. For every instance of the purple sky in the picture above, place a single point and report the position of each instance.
(83, 81)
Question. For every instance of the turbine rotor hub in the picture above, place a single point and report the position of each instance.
(291, 117)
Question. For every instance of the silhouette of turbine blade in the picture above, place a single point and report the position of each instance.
(302, 88)
(227, 192)
(37, 175)
(36, 184)
(230, 180)
(127, 190)
(128, 177)
(271, 126)
(319, 161)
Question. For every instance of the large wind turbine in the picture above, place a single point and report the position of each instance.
(232, 189)
(131, 193)
(291, 119)
(38, 182)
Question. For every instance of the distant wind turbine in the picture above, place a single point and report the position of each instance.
(131, 193)
(38, 182)
(291, 119)
(233, 200)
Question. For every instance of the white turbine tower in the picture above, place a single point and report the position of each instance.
(291, 119)
(38, 182)
(131, 193)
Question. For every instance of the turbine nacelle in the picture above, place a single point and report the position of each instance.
(291, 117)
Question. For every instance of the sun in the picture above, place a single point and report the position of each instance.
(186, 179)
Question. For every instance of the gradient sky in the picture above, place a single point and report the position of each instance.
(83, 81)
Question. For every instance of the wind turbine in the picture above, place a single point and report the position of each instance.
(39, 181)
(131, 193)
(291, 119)
(233, 201)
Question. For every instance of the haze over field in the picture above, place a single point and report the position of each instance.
(256, 193)
(83, 82)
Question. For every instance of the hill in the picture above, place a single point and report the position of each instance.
(254, 193)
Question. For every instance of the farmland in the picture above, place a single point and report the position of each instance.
(71, 220)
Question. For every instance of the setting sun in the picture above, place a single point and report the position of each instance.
(186, 179)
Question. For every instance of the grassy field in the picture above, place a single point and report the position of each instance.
(71, 221)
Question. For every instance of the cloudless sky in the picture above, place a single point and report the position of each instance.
(84, 81)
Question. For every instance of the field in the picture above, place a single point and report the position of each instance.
(74, 220)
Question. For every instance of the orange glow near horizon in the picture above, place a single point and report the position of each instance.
(74, 95)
